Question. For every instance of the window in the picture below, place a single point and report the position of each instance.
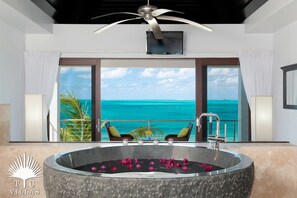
(140, 98)
(75, 103)
(135, 100)
(220, 90)
(222, 99)
(78, 112)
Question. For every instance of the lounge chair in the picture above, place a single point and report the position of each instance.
(114, 134)
(184, 134)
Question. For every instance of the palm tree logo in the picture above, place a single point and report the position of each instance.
(24, 167)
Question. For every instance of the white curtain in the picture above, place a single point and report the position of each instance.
(256, 70)
(41, 70)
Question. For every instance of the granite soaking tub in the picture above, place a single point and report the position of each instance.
(172, 171)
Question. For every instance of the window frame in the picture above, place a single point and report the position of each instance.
(200, 89)
(96, 87)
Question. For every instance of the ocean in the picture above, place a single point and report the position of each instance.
(180, 111)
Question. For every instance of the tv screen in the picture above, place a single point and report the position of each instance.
(172, 43)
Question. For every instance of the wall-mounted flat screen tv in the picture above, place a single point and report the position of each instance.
(172, 43)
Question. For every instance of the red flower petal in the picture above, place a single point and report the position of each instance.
(184, 168)
(114, 169)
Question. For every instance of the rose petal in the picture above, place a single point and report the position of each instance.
(184, 168)
(138, 166)
(130, 166)
(114, 169)
(208, 168)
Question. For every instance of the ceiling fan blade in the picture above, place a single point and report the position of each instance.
(156, 28)
(161, 11)
(172, 18)
(113, 24)
(114, 13)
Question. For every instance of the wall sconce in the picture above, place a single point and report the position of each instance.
(261, 118)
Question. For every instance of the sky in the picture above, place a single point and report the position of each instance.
(149, 83)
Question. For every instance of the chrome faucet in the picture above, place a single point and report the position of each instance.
(209, 115)
(215, 139)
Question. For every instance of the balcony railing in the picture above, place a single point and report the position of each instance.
(75, 130)
(80, 129)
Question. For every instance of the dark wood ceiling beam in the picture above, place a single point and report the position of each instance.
(201, 11)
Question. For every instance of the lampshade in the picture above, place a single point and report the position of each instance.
(35, 118)
(261, 118)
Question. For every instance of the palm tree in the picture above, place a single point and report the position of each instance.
(77, 126)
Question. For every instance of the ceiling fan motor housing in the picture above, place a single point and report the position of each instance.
(146, 11)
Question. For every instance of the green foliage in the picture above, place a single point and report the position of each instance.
(142, 132)
(78, 125)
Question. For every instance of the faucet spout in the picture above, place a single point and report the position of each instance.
(198, 124)
(214, 140)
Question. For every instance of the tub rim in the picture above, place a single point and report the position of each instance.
(51, 162)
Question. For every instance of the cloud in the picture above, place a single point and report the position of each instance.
(85, 76)
(84, 73)
(186, 73)
(182, 73)
(173, 83)
(104, 84)
(64, 70)
(81, 69)
(224, 81)
(165, 82)
(223, 77)
(166, 74)
(232, 80)
(148, 72)
(107, 73)
(222, 72)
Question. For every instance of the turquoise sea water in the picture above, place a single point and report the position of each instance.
(132, 110)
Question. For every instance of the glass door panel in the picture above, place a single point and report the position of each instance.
(75, 96)
(222, 99)
(139, 100)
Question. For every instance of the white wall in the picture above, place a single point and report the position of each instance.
(285, 47)
(128, 41)
(12, 47)
(16, 19)
(122, 41)
(25, 16)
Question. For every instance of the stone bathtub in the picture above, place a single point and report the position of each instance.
(61, 179)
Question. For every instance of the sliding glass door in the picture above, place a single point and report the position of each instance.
(75, 98)
(144, 100)
(220, 91)
(148, 102)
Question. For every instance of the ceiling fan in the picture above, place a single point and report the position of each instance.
(150, 13)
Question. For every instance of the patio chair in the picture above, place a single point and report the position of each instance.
(114, 134)
(183, 135)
